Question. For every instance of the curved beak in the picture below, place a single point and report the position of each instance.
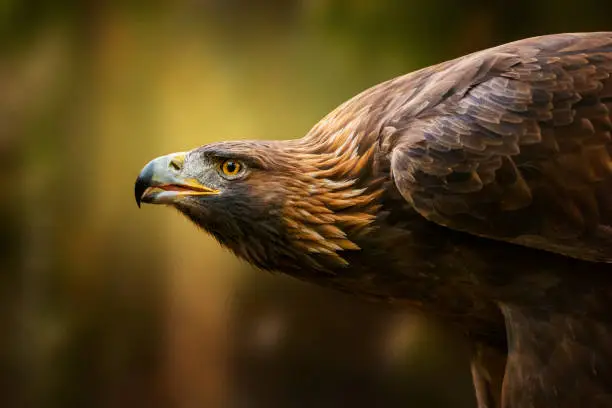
(161, 182)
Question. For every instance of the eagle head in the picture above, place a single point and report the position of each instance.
(275, 204)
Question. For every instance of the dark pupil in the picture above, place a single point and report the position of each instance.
(230, 166)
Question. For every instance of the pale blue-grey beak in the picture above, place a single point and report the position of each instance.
(161, 182)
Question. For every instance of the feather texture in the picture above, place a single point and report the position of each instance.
(478, 190)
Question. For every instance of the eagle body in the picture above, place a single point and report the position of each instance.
(478, 191)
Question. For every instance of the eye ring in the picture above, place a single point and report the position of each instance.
(231, 168)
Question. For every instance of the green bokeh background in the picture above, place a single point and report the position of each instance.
(103, 305)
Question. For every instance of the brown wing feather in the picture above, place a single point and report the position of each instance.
(514, 144)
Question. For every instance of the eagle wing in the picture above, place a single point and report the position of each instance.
(511, 143)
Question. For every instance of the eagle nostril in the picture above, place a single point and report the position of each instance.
(175, 165)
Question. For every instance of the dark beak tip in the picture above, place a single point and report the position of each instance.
(143, 181)
(138, 197)
(139, 188)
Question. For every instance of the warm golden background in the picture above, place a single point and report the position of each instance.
(103, 305)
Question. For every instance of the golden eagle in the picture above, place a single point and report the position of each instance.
(478, 190)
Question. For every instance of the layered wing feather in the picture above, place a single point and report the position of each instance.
(511, 143)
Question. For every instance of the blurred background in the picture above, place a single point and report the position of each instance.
(103, 305)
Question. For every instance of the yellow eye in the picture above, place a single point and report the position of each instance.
(231, 167)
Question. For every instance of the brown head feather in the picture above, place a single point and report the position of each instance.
(328, 202)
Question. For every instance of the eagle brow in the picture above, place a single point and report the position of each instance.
(249, 160)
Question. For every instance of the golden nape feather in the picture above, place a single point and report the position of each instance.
(478, 190)
(340, 204)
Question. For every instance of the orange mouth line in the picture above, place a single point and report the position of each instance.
(184, 188)
(181, 189)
